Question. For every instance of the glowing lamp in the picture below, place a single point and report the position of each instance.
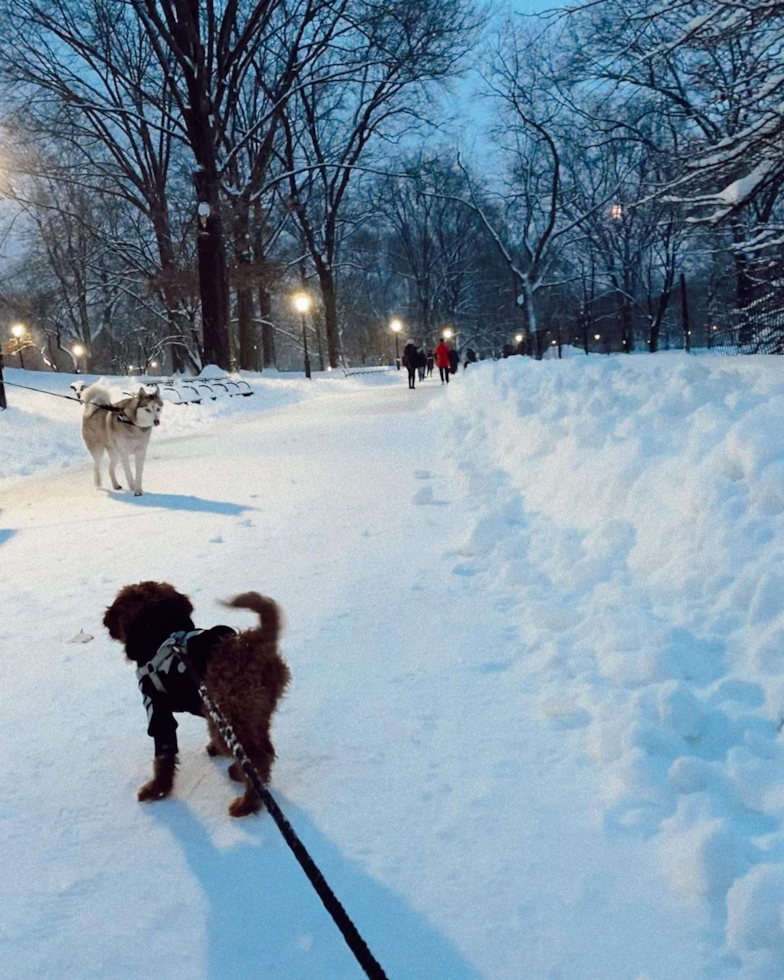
(302, 303)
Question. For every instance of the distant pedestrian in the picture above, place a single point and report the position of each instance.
(470, 357)
(410, 361)
(421, 364)
(430, 362)
(441, 354)
(454, 361)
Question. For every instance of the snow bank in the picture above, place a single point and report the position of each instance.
(632, 511)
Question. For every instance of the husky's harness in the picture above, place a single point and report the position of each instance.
(167, 685)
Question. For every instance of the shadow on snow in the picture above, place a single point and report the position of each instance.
(176, 501)
(265, 919)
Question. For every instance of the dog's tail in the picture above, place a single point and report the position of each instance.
(95, 394)
(267, 609)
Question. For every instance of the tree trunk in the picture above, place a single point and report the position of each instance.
(329, 297)
(529, 315)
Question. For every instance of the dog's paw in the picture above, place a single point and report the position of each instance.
(243, 807)
(235, 772)
(137, 493)
(152, 791)
(116, 486)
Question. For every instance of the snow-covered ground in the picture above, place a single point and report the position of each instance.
(535, 629)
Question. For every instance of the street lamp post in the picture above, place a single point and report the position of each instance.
(18, 330)
(302, 303)
(396, 326)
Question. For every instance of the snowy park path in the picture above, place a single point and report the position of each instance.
(447, 801)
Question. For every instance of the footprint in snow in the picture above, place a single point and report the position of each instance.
(425, 496)
(563, 715)
(423, 474)
(495, 666)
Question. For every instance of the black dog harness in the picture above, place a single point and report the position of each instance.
(167, 687)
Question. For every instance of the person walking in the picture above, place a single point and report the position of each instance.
(421, 364)
(441, 354)
(410, 361)
(470, 357)
(430, 362)
(454, 361)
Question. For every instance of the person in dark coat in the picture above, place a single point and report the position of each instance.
(454, 361)
(421, 364)
(430, 363)
(411, 360)
(470, 357)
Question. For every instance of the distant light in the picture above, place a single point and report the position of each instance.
(77, 350)
(131, 367)
(597, 336)
(616, 212)
(153, 364)
(18, 330)
(302, 302)
(553, 342)
(519, 338)
(714, 327)
(448, 334)
(329, 367)
(396, 325)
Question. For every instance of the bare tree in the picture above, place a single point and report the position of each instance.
(333, 124)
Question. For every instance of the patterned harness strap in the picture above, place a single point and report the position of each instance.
(163, 661)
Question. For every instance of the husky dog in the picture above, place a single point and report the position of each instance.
(122, 432)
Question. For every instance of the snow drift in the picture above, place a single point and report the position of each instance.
(633, 510)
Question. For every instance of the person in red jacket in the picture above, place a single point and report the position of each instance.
(442, 360)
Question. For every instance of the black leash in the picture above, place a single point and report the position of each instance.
(54, 394)
(114, 409)
(349, 931)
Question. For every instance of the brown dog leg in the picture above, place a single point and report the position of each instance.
(262, 755)
(216, 745)
(162, 781)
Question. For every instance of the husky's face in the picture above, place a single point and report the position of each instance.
(148, 411)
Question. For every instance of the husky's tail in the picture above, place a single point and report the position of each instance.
(96, 394)
(268, 611)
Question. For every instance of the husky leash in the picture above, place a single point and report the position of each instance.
(114, 409)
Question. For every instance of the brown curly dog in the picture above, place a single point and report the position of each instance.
(243, 673)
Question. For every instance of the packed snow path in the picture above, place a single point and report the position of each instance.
(457, 820)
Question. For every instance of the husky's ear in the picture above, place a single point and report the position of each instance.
(141, 392)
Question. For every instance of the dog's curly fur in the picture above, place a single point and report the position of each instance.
(246, 676)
